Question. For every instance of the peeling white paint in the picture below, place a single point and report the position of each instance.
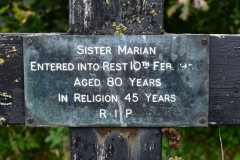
(144, 4)
(101, 152)
(87, 12)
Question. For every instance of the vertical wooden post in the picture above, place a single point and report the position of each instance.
(115, 17)
(108, 17)
(116, 143)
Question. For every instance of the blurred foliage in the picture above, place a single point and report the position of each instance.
(20, 142)
(204, 143)
(181, 16)
(202, 16)
(33, 16)
(23, 143)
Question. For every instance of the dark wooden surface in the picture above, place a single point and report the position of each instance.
(115, 143)
(224, 107)
(11, 79)
(115, 17)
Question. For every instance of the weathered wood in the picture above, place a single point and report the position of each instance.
(125, 17)
(11, 79)
(115, 143)
(224, 107)
(115, 17)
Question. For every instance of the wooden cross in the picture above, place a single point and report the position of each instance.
(112, 17)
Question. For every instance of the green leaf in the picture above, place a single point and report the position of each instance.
(4, 9)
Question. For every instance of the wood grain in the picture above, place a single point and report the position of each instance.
(224, 107)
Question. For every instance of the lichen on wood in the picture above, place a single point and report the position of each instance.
(126, 17)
